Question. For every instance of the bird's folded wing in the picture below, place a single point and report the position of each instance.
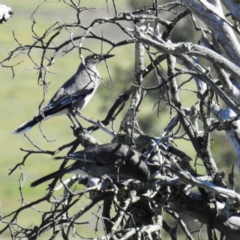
(80, 157)
(64, 99)
(90, 158)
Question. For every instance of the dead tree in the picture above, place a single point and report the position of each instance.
(135, 209)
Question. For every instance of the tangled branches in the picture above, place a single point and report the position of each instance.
(130, 208)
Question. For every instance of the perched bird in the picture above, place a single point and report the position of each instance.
(115, 160)
(74, 94)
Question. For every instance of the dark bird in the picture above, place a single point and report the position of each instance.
(115, 160)
(74, 94)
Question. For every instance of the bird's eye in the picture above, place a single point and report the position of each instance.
(95, 57)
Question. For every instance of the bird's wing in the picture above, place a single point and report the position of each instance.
(85, 157)
(63, 99)
(105, 154)
(91, 157)
(77, 157)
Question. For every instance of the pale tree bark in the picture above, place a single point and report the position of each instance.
(226, 44)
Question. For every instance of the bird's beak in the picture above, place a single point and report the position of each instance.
(105, 56)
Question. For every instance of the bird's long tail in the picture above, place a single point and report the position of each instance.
(28, 125)
(50, 176)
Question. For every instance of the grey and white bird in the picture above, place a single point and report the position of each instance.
(117, 161)
(73, 95)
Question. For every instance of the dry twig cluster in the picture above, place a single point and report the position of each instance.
(134, 209)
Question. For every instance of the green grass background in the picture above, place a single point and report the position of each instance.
(21, 96)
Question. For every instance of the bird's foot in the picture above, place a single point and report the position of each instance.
(79, 130)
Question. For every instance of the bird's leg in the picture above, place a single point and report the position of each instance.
(76, 129)
(69, 116)
(79, 124)
(73, 114)
(74, 124)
